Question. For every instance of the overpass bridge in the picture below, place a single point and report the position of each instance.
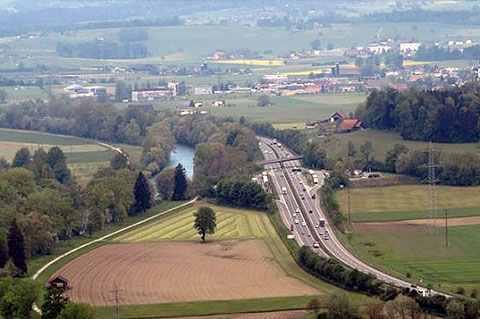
(281, 160)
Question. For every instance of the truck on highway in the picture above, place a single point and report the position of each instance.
(279, 145)
(321, 222)
(284, 190)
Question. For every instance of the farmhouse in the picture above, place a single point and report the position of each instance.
(349, 125)
(58, 282)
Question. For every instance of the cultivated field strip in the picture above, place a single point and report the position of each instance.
(161, 272)
(231, 223)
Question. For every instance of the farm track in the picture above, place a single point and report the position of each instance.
(289, 314)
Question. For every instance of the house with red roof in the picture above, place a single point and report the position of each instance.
(349, 125)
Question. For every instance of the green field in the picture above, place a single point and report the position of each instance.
(231, 223)
(404, 202)
(423, 254)
(415, 248)
(21, 93)
(384, 141)
(84, 157)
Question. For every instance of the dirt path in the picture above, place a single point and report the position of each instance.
(415, 223)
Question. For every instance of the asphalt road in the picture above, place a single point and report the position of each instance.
(299, 195)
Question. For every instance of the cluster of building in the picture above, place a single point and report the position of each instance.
(336, 123)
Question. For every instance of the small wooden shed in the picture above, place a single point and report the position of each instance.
(58, 282)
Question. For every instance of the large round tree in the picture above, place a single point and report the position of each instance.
(205, 221)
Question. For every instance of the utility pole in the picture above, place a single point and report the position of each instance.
(446, 227)
(349, 213)
(117, 310)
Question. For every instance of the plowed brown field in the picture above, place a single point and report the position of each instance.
(179, 271)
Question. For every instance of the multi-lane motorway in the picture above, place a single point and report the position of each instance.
(297, 205)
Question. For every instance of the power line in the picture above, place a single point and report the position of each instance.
(432, 192)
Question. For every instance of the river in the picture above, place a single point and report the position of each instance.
(183, 154)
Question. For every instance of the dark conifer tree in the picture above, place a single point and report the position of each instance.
(55, 302)
(3, 251)
(142, 195)
(181, 184)
(22, 158)
(16, 247)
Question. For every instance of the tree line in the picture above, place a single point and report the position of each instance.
(445, 116)
(102, 49)
(436, 53)
(41, 204)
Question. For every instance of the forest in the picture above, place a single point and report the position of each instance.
(444, 116)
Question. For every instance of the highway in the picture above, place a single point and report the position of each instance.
(299, 198)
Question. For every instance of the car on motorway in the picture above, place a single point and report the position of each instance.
(316, 226)
(310, 211)
(294, 215)
(291, 227)
(316, 245)
(325, 237)
(304, 189)
(309, 235)
(296, 221)
(304, 224)
(303, 198)
(313, 196)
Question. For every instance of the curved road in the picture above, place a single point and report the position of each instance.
(300, 195)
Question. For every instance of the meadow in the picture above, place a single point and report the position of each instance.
(405, 202)
(391, 229)
(84, 157)
(384, 141)
(421, 253)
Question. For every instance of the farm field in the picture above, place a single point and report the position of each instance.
(231, 223)
(199, 41)
(415, 249)
(21, 93)
(84, 156)
(384, 141)
(245, 240)
(160, 273)
(404, 202)
(391, 229)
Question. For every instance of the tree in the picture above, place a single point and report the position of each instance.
(119, 161)
(122, 91)
(366, 149)
(3, 96)
(264, 100)
(314, 305)
(181, 88)
(351, 151)
(166, 183)
(54, 303)
(242, 119)
(455, 310)
(316, 44)
(16, 247)
(181, 184)
(205, 221)
(58, 162)
(77, 311)
(22, 158)
(392, 155)
(142, 195)
(376, 310)
(340, 307)
(3, 249)
(17, 297)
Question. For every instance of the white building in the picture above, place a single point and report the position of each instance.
(409, 47)
(202, 90)
(77, 91)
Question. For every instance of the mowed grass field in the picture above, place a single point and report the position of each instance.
(405, 202)
(384, 141)
(84, 156)
(422, 253)
(391, 229)
(231, 224)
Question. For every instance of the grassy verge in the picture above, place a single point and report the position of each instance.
(63, 247)
(206, 307)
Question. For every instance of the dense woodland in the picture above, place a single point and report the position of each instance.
(435, 53)
(444, 116)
